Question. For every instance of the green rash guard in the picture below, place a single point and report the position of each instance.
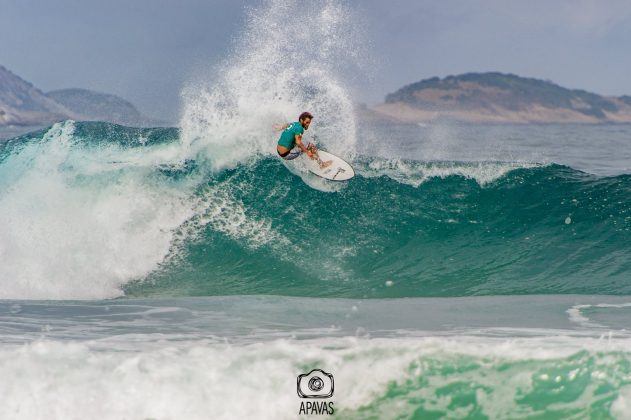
(288, 137)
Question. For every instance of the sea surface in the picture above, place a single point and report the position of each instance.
(467, 271)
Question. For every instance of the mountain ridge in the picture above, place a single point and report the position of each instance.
(23, 104)
(91, 105)
(500, 97)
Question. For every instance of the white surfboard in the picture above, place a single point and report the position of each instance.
(338, 170)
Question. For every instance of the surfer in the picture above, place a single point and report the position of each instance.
(290, 142)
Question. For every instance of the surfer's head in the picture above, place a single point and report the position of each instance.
(305, 119)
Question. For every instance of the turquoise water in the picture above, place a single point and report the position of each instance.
(456, 288)
(467, 271)
(400, 228)
(544, 229)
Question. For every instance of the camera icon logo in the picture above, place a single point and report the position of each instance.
(315, 384)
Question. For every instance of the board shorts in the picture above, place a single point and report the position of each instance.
(291, 154)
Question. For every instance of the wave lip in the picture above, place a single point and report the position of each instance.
(415, 173)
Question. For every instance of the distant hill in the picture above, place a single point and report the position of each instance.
(498, 97)
(22, 104)
(96, 106)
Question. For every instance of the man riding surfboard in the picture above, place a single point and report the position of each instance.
(290, 142)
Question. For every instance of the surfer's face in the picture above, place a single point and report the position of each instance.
(305, 123)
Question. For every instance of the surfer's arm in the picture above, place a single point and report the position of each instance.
(280, 127)
(302, 146)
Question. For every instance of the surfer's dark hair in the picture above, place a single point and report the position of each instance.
(304, 116)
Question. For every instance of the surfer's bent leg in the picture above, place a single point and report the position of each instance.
(292, 154)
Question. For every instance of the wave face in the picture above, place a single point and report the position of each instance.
(405, 229)
(93, 210)
(87, 208)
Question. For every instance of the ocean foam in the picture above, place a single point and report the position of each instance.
(415, 173)
(575, 313)
(293, 68)
(74, 229)
(498, 377)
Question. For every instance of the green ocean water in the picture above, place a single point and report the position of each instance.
(544, 229)
(400, 228)
(467, 271)
(436, 288)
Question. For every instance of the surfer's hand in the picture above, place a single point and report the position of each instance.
(279, 127)
(310, 154)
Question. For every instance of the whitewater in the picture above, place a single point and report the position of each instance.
(465, 272)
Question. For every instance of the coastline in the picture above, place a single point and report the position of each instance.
(400, 112)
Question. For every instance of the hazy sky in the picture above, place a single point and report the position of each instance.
(144, 50)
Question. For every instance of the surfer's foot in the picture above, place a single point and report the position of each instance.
(325, 164)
